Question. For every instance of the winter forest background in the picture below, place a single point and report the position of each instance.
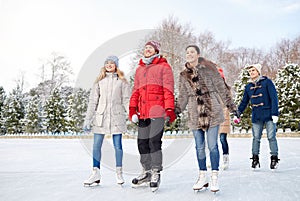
(55, 106)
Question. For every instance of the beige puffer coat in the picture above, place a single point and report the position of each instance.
(217, 89)
(108, 104)
(225, 126)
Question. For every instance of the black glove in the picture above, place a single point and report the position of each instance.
(177, 111)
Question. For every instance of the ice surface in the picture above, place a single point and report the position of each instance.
(54, 169)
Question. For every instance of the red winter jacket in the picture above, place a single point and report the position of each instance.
(153, 90)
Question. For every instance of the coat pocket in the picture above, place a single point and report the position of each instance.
(98, 120)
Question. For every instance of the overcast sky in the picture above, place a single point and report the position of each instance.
(30, 30)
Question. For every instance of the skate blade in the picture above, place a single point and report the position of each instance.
(145, 184)
(214, 191)
(121, 185)
(154, 189)
(198, 189)
(224, 168)
(274, 169)
(95, 183)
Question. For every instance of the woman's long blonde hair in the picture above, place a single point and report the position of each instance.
(102, 74)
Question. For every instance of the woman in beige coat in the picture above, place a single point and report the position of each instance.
(225, 127)
(106, 115)
(224, 130)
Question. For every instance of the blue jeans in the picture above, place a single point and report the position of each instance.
(223, 140)
(212, 141)
(257, 129)
(98, 141)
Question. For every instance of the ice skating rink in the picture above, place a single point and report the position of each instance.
(54, 169)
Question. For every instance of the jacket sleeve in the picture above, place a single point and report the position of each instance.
(244, 102)
(135, 91)
(183, 95)
(93, 103)
(126, 96)
(273, 98)
(223, 92)
(168, 87)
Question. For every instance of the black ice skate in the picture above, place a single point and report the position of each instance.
(155, 180)
(143, 178)
(255, 162)
(274, 162)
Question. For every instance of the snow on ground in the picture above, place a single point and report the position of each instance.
(54, 169)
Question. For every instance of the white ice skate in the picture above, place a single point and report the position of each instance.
(225, 165)
(214, 185)
(201, 182)
(119, 175)
(94, 178)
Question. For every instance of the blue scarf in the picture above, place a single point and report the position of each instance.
(149, 60)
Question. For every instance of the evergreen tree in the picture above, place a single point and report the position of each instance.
(14, 112)
(288, 86)
(77, 107)
(239, 87)
(56, 113)
(2, 99)
(32, 116)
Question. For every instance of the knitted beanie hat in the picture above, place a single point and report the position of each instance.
(257, 66)
(154, 44)
(112, 58)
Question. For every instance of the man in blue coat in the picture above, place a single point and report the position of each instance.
(261, 93)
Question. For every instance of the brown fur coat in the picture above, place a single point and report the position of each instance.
(202, 89)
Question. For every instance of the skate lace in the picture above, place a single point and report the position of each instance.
(119, 175)
(142, 175)
(200, 178)
(214, 181)
(155, 177)
(93, 175)
(275, 160)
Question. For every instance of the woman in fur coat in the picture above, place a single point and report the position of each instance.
(200, 89)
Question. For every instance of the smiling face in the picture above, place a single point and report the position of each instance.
(110, 66)
(253, 72)
(149, 51)
(191, 56)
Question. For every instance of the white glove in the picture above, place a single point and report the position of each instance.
(134, 118)
(275, 119)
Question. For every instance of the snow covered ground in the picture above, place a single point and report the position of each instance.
(54, 169)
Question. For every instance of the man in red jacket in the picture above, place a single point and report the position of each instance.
(151, 102)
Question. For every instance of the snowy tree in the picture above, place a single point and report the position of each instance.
(239, 87)
(2, 100)
(288, 88)
(32, 117)
(174, 37)
(14, 112)
(77, 106)
(55, 110)
(56, 72)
